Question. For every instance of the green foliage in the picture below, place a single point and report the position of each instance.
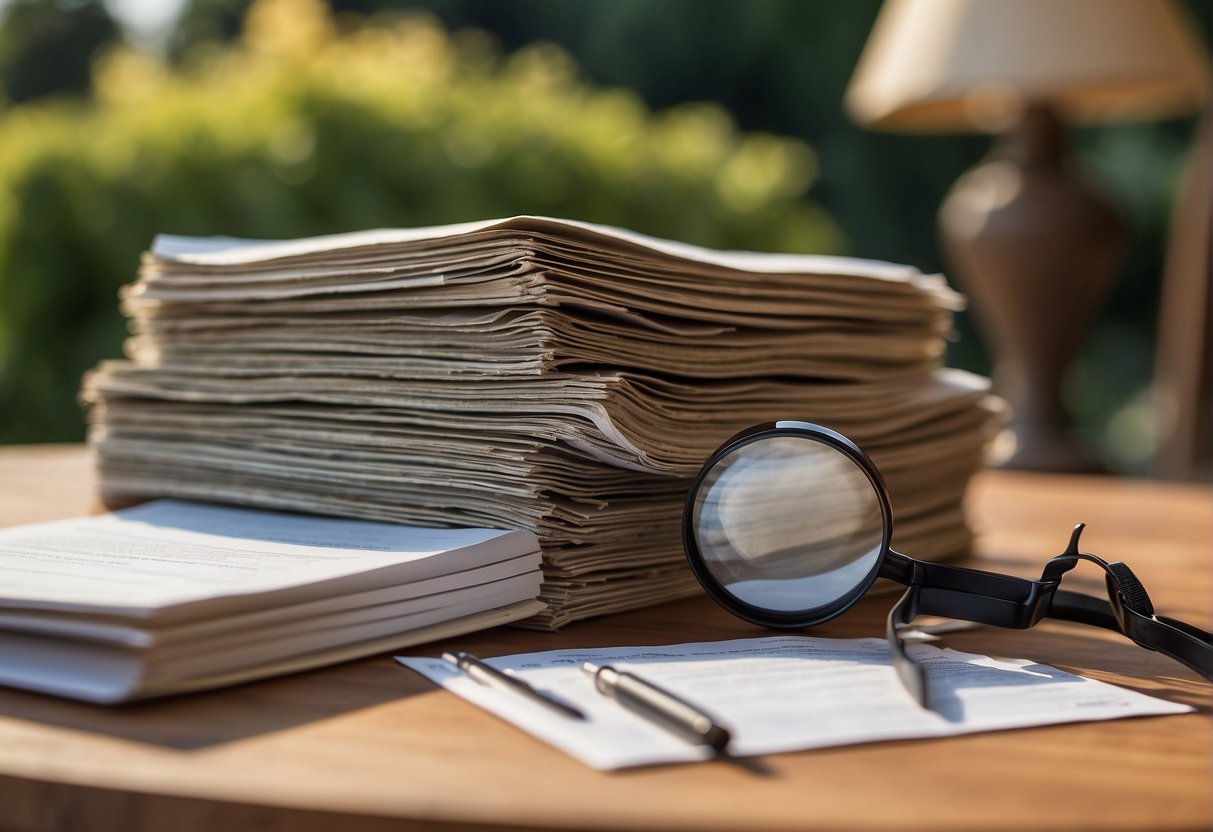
(46, 46)
(300, 128)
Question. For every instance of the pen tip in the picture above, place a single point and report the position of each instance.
(589, 667)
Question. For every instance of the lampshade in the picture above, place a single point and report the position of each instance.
(939, 65)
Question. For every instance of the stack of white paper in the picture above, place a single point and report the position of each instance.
(171, 596)
(526, 373)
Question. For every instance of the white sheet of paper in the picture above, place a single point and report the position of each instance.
(787, 693)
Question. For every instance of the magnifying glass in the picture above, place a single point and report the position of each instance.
(788, 524)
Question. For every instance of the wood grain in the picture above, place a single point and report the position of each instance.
(366, 745)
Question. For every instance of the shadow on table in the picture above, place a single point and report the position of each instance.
(201, 720)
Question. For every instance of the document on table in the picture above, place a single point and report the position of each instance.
(787, 693)
(146, 560)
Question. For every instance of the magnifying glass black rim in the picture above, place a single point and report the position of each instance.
(784, 619)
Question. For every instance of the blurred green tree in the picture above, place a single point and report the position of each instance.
(206, 22)
(305, 127)
(47, 46)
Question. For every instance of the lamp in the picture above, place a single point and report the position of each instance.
(1032, 244)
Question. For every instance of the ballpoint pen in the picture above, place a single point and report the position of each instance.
(658, 706)
(489, 676)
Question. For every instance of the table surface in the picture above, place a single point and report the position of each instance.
(367, 744)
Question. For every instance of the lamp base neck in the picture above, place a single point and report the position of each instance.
(1036, 249)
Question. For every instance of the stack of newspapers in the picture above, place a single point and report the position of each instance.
(528, 373)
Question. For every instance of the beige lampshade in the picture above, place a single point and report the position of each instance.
(939, 65)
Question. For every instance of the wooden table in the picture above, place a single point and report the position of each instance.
(367, 745)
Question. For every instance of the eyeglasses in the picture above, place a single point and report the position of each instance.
(789, 524)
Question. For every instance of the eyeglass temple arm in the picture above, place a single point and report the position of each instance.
(1006, 601)
(1127, 610)
(1186, 644)
(912, 675)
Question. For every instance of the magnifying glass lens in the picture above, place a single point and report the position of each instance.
(787, 523)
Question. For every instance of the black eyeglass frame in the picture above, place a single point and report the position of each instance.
(954, 591)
